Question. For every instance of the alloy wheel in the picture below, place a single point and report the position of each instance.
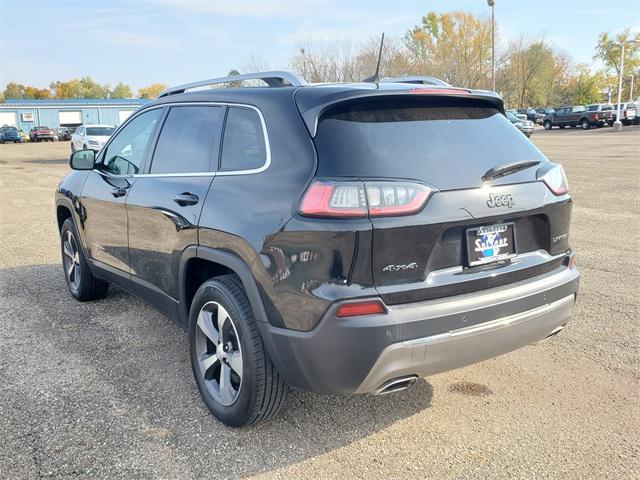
(219, 354)
(71, 260)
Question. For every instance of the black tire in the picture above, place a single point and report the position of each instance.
(547, 125)
(80, 281)
(584, 124)
(258, 392)
(562, 126)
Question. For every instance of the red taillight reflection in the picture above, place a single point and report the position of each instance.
(374, 307)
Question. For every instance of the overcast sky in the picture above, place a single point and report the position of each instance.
(147, 41)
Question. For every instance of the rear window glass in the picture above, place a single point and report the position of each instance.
(243, 147)
(445, 142)
(188, 140)
(100, 131)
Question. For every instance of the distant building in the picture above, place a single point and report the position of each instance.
(55, 113)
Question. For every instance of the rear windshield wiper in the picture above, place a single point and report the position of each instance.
(508, 168)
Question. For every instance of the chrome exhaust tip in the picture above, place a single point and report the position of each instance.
(395, 385)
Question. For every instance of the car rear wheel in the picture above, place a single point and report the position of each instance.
(81, 282)
(234, 374)
(585, 124)
(562, 126)
(547, 125)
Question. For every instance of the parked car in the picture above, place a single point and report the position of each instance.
(520, 116)
(65, 133)
(338, 238)
(628, 112)
(532, 115)
(41, 133)
(10, 134)
(576, 115)
(91, 136)
(608, 115)
(525, 126)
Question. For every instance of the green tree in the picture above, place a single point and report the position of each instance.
(122, 90)
(608, 50)
(233, 84)
(14, 90)
(584, 87)
(92, 89)
(152, 91)
(454, 46)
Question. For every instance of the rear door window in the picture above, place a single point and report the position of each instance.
(243, 147)
(189, 140)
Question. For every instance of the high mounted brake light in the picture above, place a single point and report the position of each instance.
(437, 91)
(327, 198)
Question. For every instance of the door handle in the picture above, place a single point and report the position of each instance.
(119, 192)
(186, 198)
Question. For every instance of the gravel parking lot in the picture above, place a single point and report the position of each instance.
(104, 389)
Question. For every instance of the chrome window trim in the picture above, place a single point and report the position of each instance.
(252, 171)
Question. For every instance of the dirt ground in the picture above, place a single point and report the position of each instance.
(104, 389)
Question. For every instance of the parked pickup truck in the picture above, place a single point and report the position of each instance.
(628, 112)
(577, 115)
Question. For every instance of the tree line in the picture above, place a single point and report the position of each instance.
(454, 46)
(84, 87)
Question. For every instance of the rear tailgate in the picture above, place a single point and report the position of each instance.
(448, 144)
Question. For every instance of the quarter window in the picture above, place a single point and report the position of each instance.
(188, 139)
(125, 154)
(243, 147)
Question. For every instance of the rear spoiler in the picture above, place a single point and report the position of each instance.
(312, 115)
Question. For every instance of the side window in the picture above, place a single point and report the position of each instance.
(125, 153)
(243, 146)
(188, 138)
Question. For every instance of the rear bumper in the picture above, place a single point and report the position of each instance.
(359, 354)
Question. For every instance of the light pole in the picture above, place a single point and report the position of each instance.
(631, 89)
(491, 3)
(617, 125)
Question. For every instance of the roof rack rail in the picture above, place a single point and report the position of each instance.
(417, 79)
(274, 78)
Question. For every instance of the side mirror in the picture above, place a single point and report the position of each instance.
(82, 160)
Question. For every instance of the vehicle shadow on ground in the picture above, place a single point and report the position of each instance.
(131, 371)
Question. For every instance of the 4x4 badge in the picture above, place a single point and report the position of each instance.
(500, 201)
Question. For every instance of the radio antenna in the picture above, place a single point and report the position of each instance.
(375, 78)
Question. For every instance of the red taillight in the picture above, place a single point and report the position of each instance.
(437, 91)
(374, 307)
(325, 198)
(334, 199)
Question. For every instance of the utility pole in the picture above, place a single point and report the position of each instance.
(631, 89)
(491, 3)
(617, 125)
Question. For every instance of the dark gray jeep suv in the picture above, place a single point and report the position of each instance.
(337, 238)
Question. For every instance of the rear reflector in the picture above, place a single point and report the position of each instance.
(572, 261)
(326, 198)
(374, 307)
